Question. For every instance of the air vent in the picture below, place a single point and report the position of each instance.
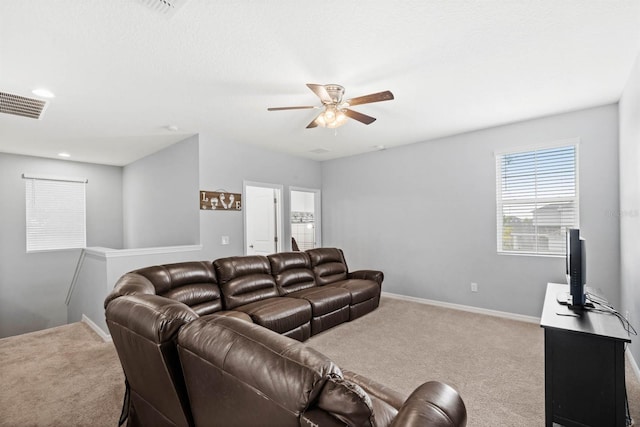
(21, 105)
(166, 7)
(319, 151)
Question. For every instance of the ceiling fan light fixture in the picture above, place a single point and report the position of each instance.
(336, 111)
(339, 119)
(331, 117)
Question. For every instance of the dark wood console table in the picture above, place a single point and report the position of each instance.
(584, 365)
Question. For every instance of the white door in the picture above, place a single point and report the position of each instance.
(262, 206)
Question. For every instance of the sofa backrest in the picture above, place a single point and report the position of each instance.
(130, 284)
(144, 329)
(328, 265)
(291, 271)
(238, 373)
(192, 283)
(244, 279)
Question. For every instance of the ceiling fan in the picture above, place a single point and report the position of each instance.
(335, 111)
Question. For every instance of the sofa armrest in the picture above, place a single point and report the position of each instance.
(130, 284)
(375, 275)
(433, 404)
(376, 389)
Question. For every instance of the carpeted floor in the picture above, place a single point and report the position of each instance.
(64, 376)
(67, 376)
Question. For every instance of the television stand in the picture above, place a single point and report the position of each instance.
(583, 365)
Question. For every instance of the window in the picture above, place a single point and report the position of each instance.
(537, 199)
(55, 209)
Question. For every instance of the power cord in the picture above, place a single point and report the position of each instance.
(601, 305)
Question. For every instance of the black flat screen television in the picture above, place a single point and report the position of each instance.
(576, 261)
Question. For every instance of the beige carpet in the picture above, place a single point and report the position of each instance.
(67, 376)
(64, 376)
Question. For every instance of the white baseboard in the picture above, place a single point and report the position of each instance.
(495, 313)
(633, 363)
(97, 329)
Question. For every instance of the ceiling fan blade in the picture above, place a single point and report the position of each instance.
(321, 91)
(363, 118)
(313, 123)
(305, 107)
(374, 97)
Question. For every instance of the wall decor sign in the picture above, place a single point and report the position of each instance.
(220, 201)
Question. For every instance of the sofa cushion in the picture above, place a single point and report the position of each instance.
(328, 265)
(324, 299)
(360, 290)
(280, 314)
(229, 313)
(291, 271)
(346, 401)
(244, 280)
(192, 283)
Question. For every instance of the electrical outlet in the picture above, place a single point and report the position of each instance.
(474, 287)
(224, 240)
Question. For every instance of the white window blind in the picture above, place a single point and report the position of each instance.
(55, 213)
(537, 199)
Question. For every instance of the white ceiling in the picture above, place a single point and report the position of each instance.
(123, 72)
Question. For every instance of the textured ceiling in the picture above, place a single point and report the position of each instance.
(123, 72)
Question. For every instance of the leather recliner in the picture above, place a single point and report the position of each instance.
(248, 286)
(144, 329)
(219, 370)
(240, 374)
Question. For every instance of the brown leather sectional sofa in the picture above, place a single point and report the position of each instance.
(210, 344)
(297, 294)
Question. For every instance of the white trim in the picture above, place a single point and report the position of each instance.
(54, 178)
(97, 329)
(542, 146)
(486, 311)
(632, 362)
(119, 253)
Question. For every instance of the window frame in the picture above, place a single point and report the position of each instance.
(500, 201)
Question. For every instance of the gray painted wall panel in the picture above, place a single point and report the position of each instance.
(33, 286)
(630, 202)
(160, 197)
(225, 165)
(425, 214)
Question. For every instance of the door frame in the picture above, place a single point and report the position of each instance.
(279, 211)
(317, 212)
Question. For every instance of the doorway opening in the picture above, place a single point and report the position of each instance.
(262, 218)
(305, 218)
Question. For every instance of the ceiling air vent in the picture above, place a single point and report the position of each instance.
(166, 7)
(319, 151)
(21, 105)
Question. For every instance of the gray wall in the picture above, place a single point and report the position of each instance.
(630, 202)
(225, 165)
(33, 286)
(160, 198)
(426, 214)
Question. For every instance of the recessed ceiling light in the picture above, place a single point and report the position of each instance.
(172, 128)
(66, 155)
(45, 93)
